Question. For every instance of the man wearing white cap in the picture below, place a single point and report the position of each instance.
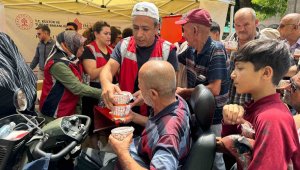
(132, 52)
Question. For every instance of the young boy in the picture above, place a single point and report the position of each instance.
(259, 66)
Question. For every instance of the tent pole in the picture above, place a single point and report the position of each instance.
(59, 2)
(107, 2)
(231, 16)
(164, 4)
(59, 8)
(21, 4)
(120, 14)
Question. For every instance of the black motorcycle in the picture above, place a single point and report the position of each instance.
(59, 141)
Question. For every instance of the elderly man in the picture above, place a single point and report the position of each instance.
(206, 64)
(42, 50)
(245, 23)
(165, 142)
(132, 52)
(289, 29)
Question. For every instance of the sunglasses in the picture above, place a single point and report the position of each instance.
(283, 25)
(69, 29)
(294, 86)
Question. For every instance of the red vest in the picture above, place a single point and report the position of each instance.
(101, 61)
(56, 100)
(129, 66)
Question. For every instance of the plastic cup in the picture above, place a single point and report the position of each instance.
(231, 45)
(121, 133)
(120, 111)
(123, 98)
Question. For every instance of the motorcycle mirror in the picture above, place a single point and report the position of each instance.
(20, 103)
(20, 100)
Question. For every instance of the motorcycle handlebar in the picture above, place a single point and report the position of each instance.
(54, 157)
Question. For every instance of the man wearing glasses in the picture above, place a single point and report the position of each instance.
(42, 50)
(289, 29)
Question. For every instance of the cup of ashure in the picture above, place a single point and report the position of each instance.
(121, 106)
(231, 45)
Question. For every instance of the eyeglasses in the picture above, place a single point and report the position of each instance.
(283, 25)
(294, 86)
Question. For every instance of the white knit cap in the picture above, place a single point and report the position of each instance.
(145, 9)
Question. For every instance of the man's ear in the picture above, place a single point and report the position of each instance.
(267, 73)
(154, 93)
(256, 22)
(195, 29)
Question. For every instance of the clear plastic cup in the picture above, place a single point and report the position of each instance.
(231, 45)
(123, 98)
(121, 133)
(120, 111)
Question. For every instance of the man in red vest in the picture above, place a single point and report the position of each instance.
(132, 52)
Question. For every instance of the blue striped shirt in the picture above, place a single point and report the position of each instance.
(165, 141)
(206, 67)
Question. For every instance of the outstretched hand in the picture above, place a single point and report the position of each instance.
(138, 99)
(108, 95)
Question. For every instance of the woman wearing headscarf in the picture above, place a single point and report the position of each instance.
(14, 74)
(63, 85)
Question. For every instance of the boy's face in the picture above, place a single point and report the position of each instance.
(245, 78)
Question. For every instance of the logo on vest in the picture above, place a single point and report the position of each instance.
(24, 21)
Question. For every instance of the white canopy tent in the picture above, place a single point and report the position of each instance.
(20, 17)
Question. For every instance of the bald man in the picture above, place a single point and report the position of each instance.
(245, 23)
(165, 142)
(289, 29)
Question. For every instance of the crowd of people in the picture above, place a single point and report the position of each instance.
(79, 71)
